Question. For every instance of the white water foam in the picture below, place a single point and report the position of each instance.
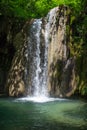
(40, 99)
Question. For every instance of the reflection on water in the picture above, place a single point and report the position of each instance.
(53, 115)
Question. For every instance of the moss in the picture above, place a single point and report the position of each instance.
(59, 69)
(18, 40)
(72, 19)
(83, 88)
(77, 39)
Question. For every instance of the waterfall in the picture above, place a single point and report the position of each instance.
(37, 65)
(36, 79)
(37, 72)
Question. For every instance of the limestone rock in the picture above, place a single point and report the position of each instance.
(61, 69)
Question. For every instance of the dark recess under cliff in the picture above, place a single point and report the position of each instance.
(9, 27)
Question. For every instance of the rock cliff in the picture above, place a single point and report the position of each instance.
(60, 74)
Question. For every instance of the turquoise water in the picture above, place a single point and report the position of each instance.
(53, 115)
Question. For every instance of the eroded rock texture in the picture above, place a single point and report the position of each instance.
(55, 63)
(61, 68)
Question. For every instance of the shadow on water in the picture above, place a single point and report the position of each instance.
(41, 116)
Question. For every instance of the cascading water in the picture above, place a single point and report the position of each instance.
(36, 80)
(37, 71)
(45, 48)
(40, 66)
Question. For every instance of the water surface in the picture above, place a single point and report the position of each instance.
(56, 114)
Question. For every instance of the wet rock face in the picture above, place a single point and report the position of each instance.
(21, 73)
(61, 68)
(68, 84)
(15, 80)
(15, 85)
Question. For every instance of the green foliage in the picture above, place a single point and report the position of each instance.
(78, 44)
(33, 8)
